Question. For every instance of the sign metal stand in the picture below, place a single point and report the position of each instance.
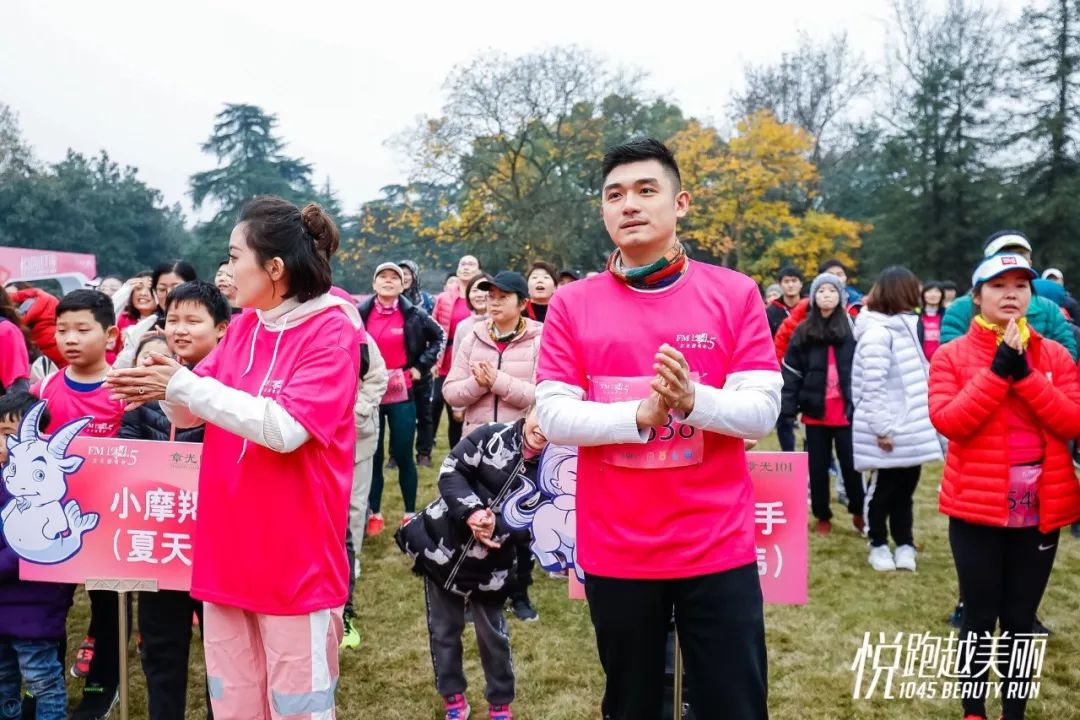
(122, 586)
(677, 704)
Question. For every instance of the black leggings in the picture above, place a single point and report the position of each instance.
(425, 430)
(438, 404)
(820, 440)
(1003, 573)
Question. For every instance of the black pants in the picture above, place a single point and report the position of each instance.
(165, 625)
(721, 629)
(105, 629)
(785, 433)
(820, 440)
(446, 625)
(453, 427)
(425, 427)
(1003, 573)
(350, 553)
(890, 506)
(519, 584)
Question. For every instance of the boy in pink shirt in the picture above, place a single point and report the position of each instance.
(85, 327)
(277, 397)
(659, 404)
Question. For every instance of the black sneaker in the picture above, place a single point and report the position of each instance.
(523, 609)
(29, 706)
(1041, 629)
(97, 703)
(423, 460)
(391, 464)
(957, 616)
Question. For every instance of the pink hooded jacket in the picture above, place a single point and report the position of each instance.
(515, 386)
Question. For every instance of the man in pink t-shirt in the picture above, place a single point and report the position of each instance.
(658, 369)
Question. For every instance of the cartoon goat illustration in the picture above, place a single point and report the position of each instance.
(35, 524)
(550, 512)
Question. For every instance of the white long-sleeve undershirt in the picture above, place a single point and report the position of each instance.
(746, 407)
(191, 400)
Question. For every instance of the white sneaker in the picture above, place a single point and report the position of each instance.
(881, 559)
(905, 558)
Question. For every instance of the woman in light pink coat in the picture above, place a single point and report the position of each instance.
(493, 376)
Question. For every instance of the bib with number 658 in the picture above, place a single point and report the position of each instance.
(671, 445)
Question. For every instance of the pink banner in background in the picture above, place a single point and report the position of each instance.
(146, 494)
(27, 264)
(780, 533)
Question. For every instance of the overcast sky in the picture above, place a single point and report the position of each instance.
(144, 81)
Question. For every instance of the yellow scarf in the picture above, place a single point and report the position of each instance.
(1025, 331)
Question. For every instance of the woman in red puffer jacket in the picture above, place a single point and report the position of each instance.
(1008, 400)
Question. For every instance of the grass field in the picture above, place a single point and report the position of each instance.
(811, 648)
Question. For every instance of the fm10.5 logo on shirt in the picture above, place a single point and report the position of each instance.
(695, 341)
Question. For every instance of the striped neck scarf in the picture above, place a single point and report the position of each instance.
(508, 337)
(660, 274)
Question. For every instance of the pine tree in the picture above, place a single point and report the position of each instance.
(251, 161)
(1048, 82)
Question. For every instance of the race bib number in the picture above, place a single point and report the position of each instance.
(671, 445)
(397, 390)
(1024, 495)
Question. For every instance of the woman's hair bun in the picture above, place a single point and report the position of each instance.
(320, 226)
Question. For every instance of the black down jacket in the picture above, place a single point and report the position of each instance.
(475, 475)
(148, 422)
(806, 369)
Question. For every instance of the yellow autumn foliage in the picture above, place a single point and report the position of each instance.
(748, 193)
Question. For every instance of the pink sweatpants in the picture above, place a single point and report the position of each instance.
(271, 667)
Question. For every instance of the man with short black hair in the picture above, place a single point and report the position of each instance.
(791, 285)
(660, 403)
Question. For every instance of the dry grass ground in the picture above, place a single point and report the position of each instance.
(811, 648)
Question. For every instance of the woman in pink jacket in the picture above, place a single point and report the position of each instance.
(493, 376)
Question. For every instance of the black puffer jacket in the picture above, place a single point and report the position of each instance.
(473, 477)
(148, 422)
(424, 339)
(806, 369)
